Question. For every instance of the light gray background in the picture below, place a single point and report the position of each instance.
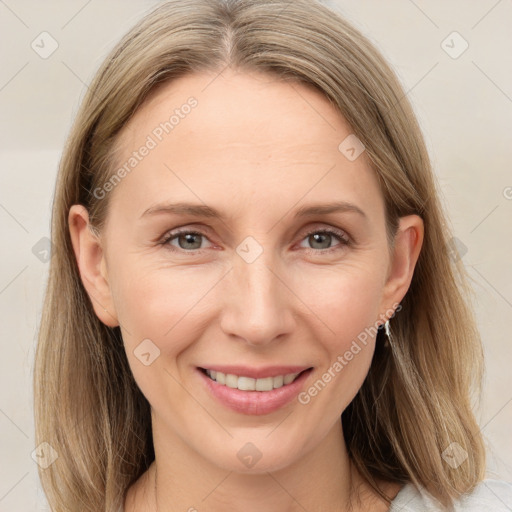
(464, 106)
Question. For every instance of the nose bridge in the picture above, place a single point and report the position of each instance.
(257, 304)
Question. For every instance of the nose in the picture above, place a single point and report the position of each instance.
(258, 301)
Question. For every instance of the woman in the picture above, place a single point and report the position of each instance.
(254, 369)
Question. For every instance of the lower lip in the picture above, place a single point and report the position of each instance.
(254, 402)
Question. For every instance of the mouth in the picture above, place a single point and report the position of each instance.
(251, 395)
(245, 383)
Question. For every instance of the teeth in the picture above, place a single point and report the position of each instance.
(249, 384)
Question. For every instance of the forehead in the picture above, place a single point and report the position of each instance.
(236, 136)
(240, 109)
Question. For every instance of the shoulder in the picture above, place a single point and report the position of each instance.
(488, 496)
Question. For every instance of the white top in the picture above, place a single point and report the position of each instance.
(488, 496)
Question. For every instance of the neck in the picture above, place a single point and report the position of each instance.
(179, 479)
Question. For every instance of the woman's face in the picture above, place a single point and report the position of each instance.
(261, 285)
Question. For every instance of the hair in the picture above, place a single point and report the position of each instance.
(417, 397)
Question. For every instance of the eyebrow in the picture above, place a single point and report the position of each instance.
(200, 210)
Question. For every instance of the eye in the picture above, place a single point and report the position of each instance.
(325, 236)
(190, 241)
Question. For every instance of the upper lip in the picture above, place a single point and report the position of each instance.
(256, 373)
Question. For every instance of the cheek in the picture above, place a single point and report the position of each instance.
(154, 304)
(169, 306)
(158, 310)
(160, 302)
(173, 306)
(347, 303)
(346, 298)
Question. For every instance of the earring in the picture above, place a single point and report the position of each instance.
(388, 334)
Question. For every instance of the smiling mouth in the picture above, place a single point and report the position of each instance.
(250, 384)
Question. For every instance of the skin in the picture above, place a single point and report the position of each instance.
(257, 149)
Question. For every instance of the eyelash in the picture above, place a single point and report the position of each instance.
(343, 239)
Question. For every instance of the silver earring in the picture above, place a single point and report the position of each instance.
(388, 333)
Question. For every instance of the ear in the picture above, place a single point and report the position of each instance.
(408, 242)
(92, 264)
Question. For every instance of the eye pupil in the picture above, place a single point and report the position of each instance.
(189, 237)
(315, 238)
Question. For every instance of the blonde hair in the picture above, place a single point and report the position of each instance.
(416, 399)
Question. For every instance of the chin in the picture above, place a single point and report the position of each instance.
(256, 457)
